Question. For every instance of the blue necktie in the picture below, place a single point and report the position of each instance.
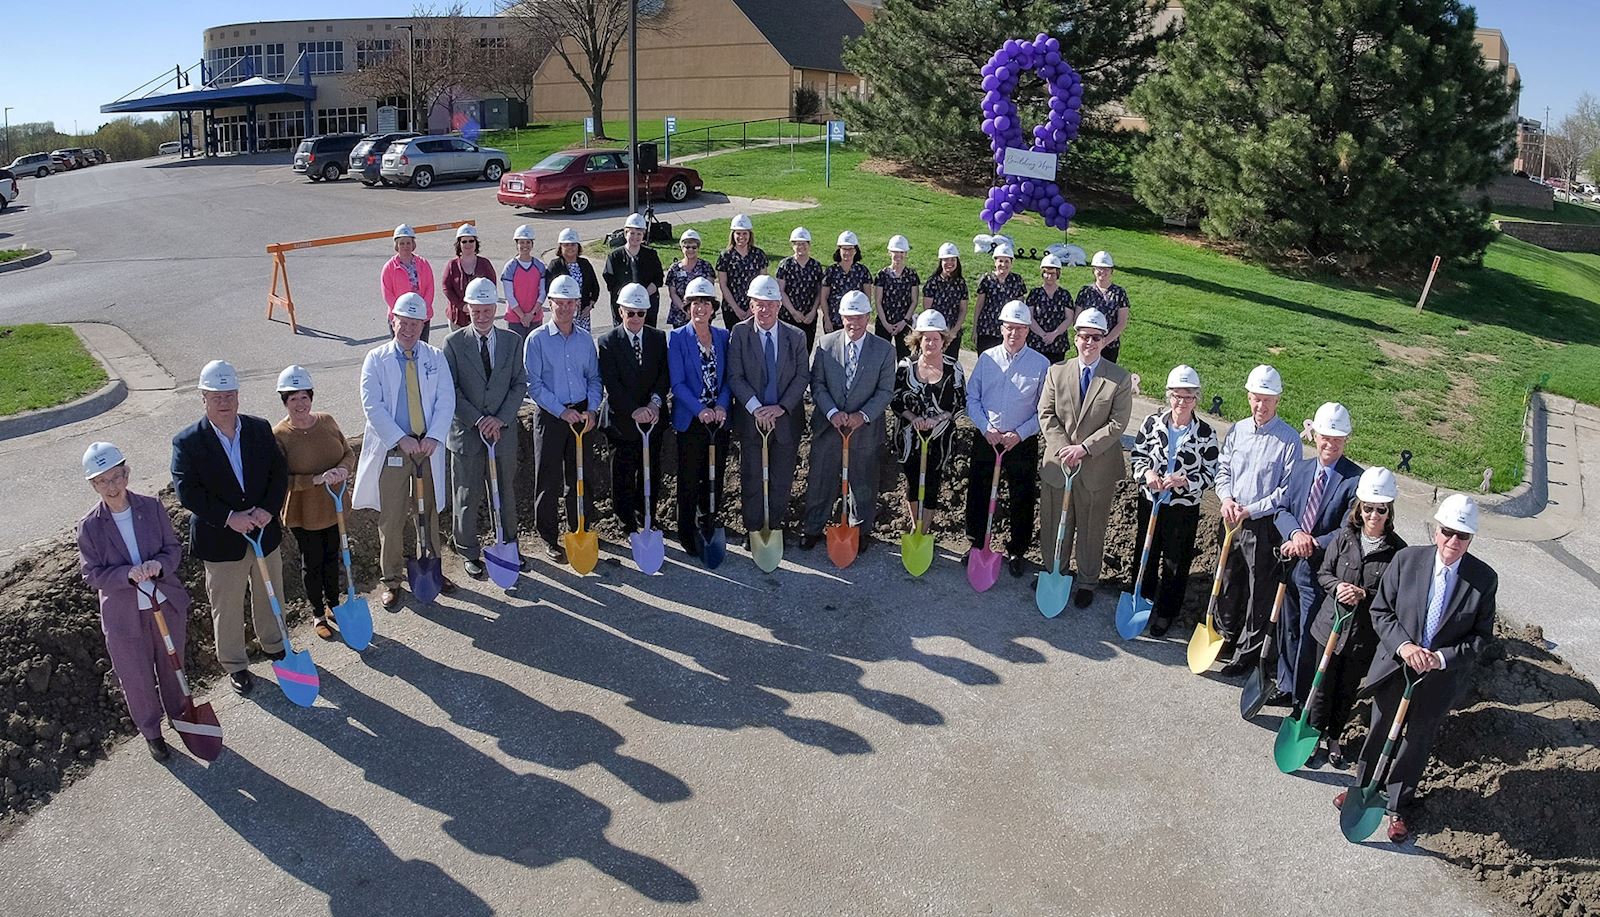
(1441, 592)
(1083, 386)
(770, 396)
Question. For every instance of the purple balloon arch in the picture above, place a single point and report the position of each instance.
(1000, 121)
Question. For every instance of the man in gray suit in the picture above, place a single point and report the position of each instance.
(486, 364)
(852, 381)
(768, 374)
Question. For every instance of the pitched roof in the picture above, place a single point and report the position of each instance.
(809, 34)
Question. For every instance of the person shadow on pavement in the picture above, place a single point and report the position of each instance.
(330, 850)
(490, 810)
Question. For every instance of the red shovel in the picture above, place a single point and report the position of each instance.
(196, 724)
(983, 564)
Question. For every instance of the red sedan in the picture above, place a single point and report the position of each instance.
(579, 179)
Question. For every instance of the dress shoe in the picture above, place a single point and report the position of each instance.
(389, 599)
(864, 543)
(1399, 833)
(965, 557)
(474, 569)
(1160, 626)
(1336, 759)
(808, 541)
(1236, 668)
(159, 749)
(446, 586)
(1279, 699)
(279, 656)
(554, 552)
(523, 565)
(242, 681)
(1338, 801)
(1082, 598)
(1015, 563)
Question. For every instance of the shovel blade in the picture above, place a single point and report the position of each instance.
(583, 551)
(649, 550)
(1133, 614)
(355, 622)
(916, 552)
(426, 578)
(767, 549)
(983, 568)
(197, 726)
(713, 547)
(1254, 695)
(297, 676)
(844, 541)
(1295, 744)
(503, 564)
(1204, 647)
(1362, 813)
(1054, 589)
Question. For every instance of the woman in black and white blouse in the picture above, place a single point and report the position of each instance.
(930, 392)
(1193, 472)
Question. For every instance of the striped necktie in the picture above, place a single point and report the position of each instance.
(1308, 518)
(1436, 602)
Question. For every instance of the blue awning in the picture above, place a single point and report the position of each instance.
(254, 91)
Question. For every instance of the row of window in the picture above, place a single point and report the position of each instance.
(236, 64)
(241, 62)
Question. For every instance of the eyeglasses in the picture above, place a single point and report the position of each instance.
(1453, 534)
(634, 313)
(1176, 397)
(1375, 509)
(1091, 338)
(469, 241)
(691, 247)
(114, 476)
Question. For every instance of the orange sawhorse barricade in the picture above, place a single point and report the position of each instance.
(280, 267)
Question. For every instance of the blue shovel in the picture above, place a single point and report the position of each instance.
(1054, 586)
(352, 615)
(1133, 609)
(503, 560)
(297, 674)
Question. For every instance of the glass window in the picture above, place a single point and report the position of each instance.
(341, 120)
(372, 50)
(555, 162)
(323, 56)
(602, 162)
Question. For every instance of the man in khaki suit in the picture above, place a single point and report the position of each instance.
(1083, 410)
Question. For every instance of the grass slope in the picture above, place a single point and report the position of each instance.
(528, 145)
(42, 366)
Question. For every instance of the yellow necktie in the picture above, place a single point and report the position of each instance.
(414, 395)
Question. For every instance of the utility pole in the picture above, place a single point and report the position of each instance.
(1544, 140)
(8, 134)
(411, 78)
(633, 106)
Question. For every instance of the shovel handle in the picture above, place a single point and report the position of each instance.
(577, 431)
(1277, 601)
(166, 638)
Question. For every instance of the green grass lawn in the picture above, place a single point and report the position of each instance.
(528, 145)
(42, 366)
(1563, 213)
(1449, 385)
(13, 254)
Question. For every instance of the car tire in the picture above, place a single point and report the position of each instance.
(383, 181)
(43, 171)
(330, 172)
(579, 200)
(314, 176)
(422, 178)
(678, 191)
(369, 184)
(493, 170)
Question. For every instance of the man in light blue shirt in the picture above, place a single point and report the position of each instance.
(1003, 402)
(564, 381)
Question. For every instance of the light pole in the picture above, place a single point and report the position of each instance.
(1544, 140)
(8, 134)
(633, 106)
(411, 77)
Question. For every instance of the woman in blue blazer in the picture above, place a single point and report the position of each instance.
(697, 361)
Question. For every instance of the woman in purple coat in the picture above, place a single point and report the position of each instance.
(127, 540)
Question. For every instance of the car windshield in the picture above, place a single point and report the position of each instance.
(305, 147)
(555, 162)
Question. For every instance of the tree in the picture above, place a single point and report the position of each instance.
(1581, 131)
(509, 69)
(586, 34)
(1561, 156)
(1348, 131)
(444, 59)
(920, 59)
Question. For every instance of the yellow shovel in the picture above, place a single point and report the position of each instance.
(583, 546)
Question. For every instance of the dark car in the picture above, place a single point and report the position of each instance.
(70, 157)
(326, 156)
(366, 159)
(579, 179)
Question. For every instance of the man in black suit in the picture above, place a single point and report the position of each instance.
(768, 374)
(1433, 613)
(232, 478)
(633, 370)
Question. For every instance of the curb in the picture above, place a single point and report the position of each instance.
(93, 404)
(21, 263)
(1533, 494)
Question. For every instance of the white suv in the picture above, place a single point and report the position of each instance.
(418, 162)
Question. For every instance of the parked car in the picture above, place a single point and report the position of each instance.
(325, 157)
(69, 159)
(100, 156)
(170, 148)
(420, 161)
(79, 155)
(366, 159)
(36, 164)
(580, 179)
(8, 188)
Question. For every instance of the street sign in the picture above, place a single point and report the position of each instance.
(1029, 164)
(672, 124)
(388, 119)
(588, 129)
(835, 131)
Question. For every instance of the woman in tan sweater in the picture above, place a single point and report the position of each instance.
(317, 454)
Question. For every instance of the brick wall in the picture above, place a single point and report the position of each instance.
(1518, 192)
(1558, 237)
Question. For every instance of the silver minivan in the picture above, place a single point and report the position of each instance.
(420, 161)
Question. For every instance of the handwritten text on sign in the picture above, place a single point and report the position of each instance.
(1028, 164)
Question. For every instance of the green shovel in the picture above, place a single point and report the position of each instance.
(1365, 806)
(1297, 739)
(916, 546)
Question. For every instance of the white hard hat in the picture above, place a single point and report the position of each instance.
(524, 231)
(404, 231)
(931, 320)
(1377, 485)
(1016, 312)
(1091, 318)
(1070, 255)
(634, 221)
(981, 242)
(1049, 261)
(1332, 420)
(467, 231)
(566, 235)
(633, 296)
(219, 376)
(700, 288)
(764, 287)
(410, 305)
(899, 244)
(740, 221)
(1264, 380)
(294, 379)
(1101, 259)
(482, 292)
(1459, 512)
(949, 250)
(800, 234)
(855, 302)
(848, 238)
(564, 287)
(100, 458)
(1183, 376)
(689, 235)
(1004, 250)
